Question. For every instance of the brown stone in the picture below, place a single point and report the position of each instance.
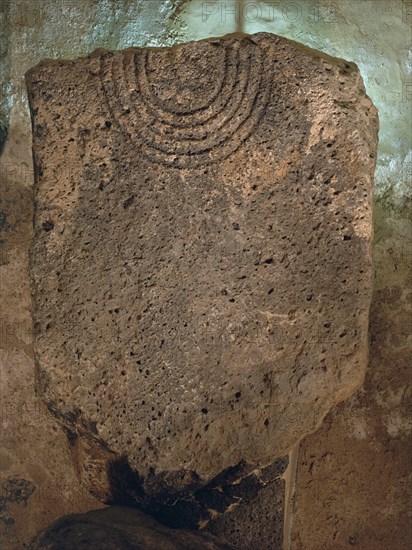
(256, 520)
(201, 264)
(117, 528)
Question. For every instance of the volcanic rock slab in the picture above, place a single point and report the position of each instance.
(201, 263)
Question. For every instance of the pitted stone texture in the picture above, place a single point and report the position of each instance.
(201, 265)
(256, 523)
(117, 528)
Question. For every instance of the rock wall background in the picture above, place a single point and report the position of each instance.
(351, 477)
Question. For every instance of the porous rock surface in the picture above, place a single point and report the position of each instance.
(201, 263)
(118, 528)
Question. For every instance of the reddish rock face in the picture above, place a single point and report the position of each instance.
(201, 266)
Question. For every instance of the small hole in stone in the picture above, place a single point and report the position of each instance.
(48, 225)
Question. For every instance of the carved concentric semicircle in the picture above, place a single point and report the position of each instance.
(193, 119)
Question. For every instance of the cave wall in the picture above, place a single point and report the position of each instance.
(349, 486)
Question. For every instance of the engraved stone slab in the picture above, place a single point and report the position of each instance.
(201, 262)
